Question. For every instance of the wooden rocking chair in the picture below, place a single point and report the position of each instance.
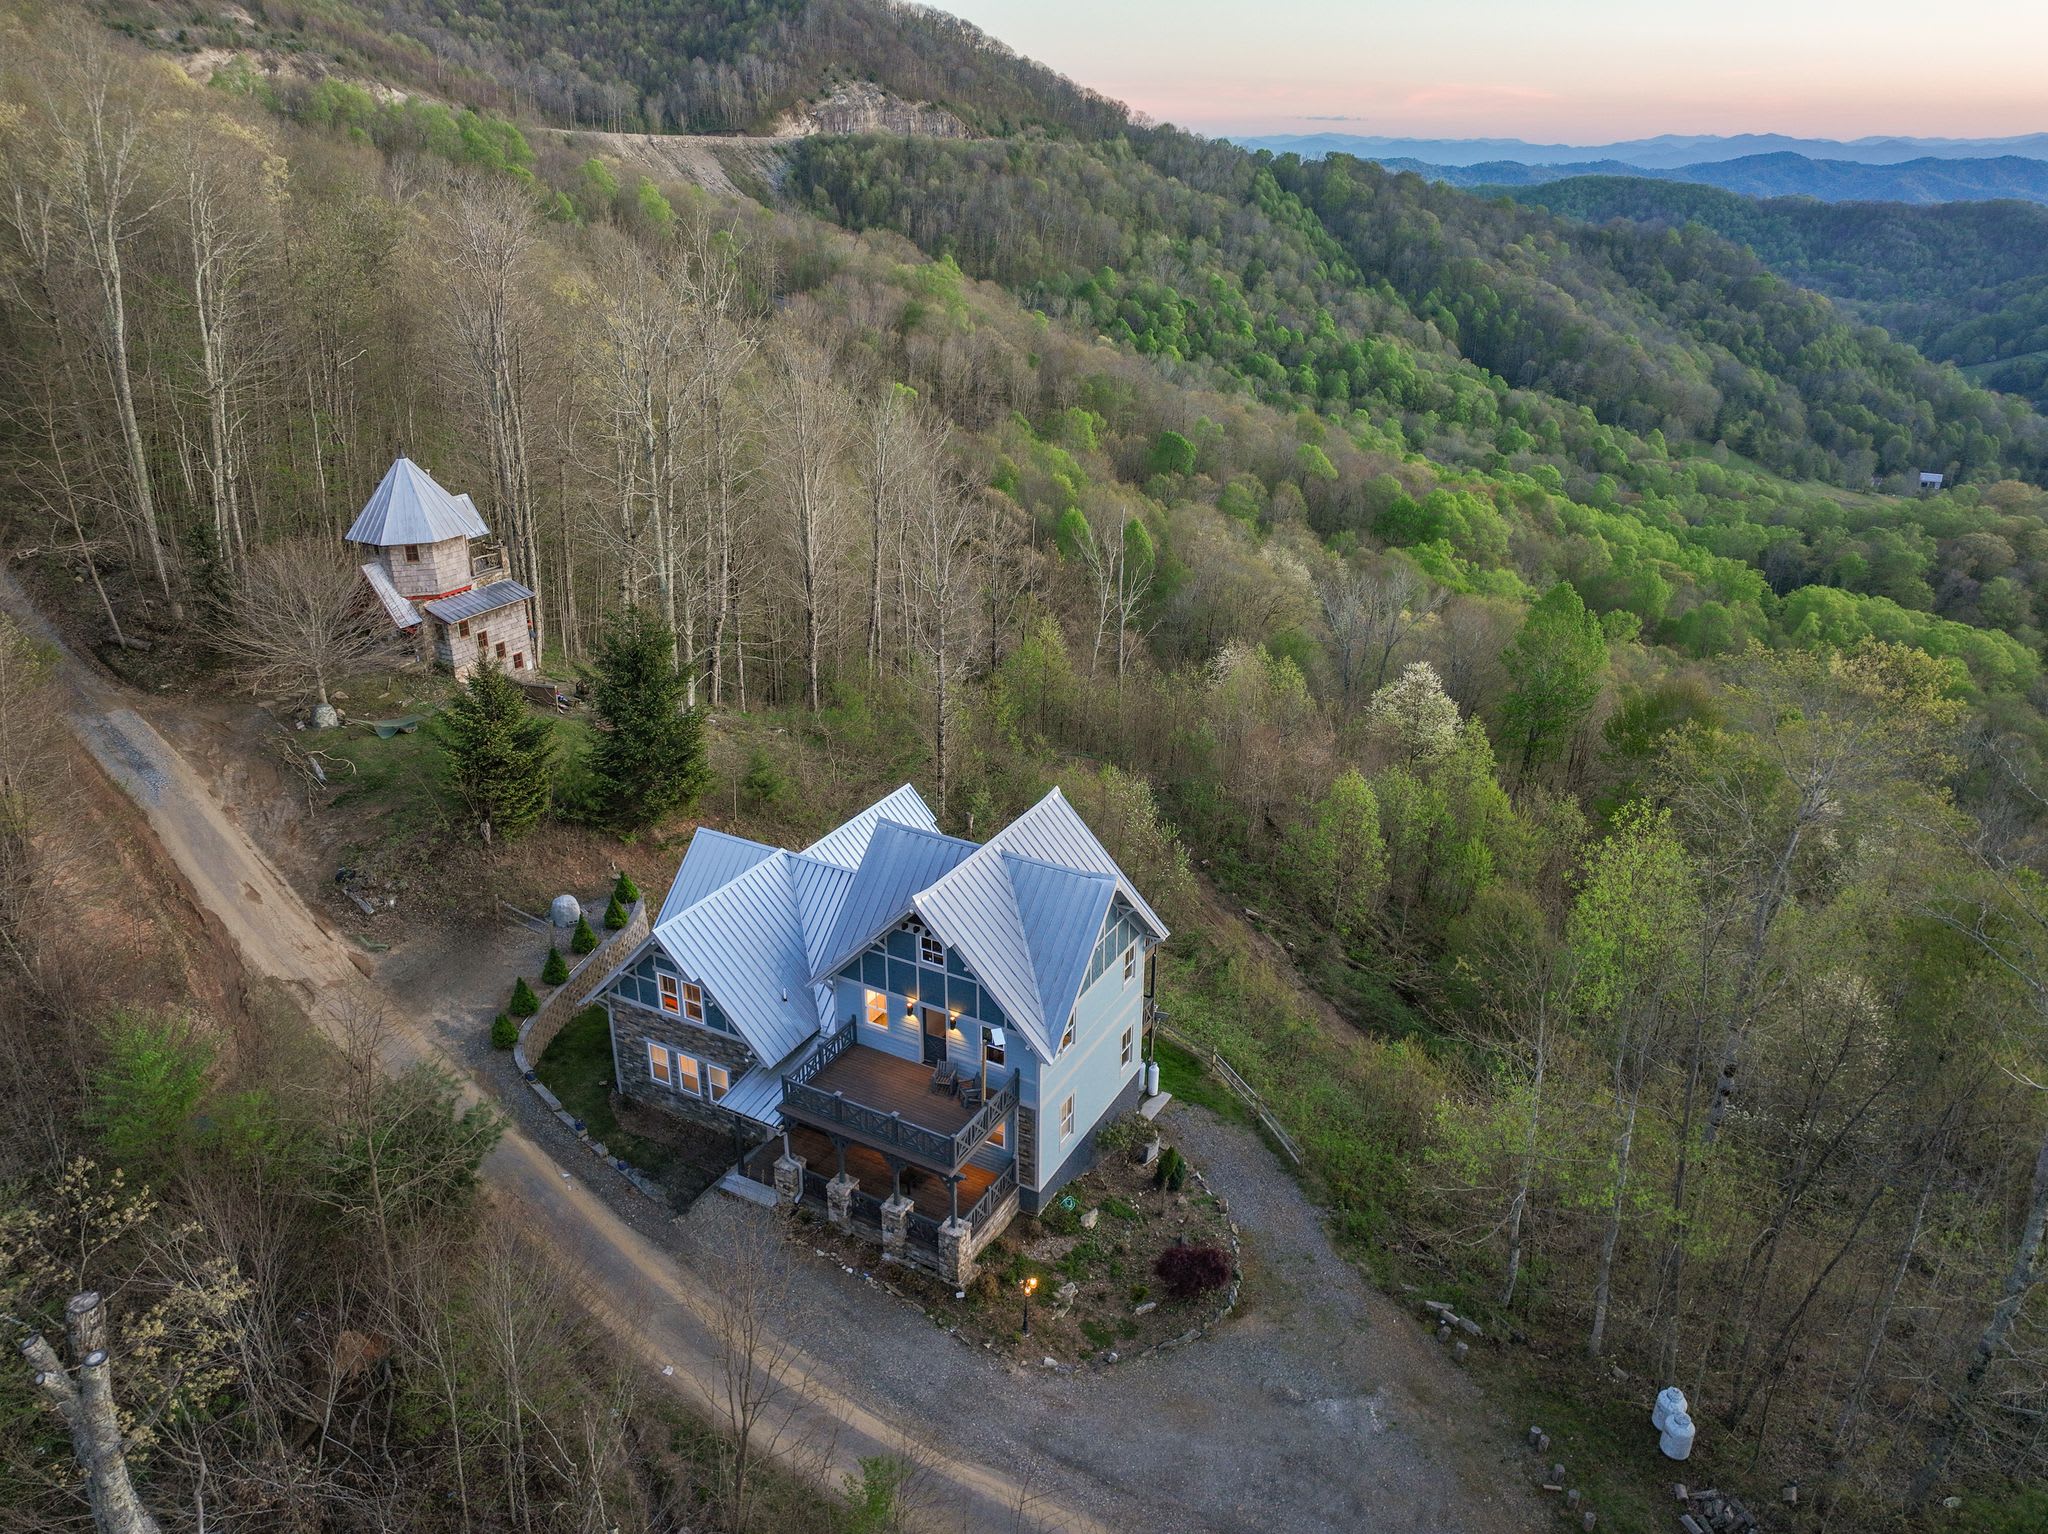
(945, 1078)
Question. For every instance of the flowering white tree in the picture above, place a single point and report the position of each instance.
(1415, 716)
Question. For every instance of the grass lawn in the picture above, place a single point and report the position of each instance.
(1188, 1079)
(577, 1068)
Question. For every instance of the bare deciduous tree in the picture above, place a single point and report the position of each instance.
(84, 1396)
(301, 618)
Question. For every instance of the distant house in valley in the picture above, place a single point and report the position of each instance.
(438, 577)
(1931, 480)
(921, 1033)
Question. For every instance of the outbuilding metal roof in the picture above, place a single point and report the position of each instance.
(401, 611)
(409, 506)
(477, 601)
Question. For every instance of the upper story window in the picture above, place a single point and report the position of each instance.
(1125, 1059)
(878, 1009)
(671, 999)
(992, 1046)
(693, 1001)
(412, 553)
(931, 950)
(1130, 963)
(1068, 1037)
(719, 1080)
(1067, 1118)
(463, 630)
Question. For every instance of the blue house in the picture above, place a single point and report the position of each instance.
(921, 1033)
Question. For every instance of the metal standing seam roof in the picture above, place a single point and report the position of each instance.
(399, 609)
(477, 601)
(712, 860)
(901, 860)
(849, 844)
(1063, 911)
(409, 506)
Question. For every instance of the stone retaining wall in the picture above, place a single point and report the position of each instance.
(539, 1030)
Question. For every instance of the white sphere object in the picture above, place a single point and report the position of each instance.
(565, 910)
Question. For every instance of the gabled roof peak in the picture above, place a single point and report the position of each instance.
(410, 506)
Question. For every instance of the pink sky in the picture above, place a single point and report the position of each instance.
(1580, 71)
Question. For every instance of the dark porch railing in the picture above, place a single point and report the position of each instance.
(992, 1198)
(891, 1129)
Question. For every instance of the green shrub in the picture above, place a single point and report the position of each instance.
(614, 914)
(1138, 1293)
(1172, 1170)
(625, 891)
(583, 940)
(764, 782)
(1098, 1335)
(556, 970)
(504, 1032)
(1124, 1134)
(1178, 1175)
(524, 1002)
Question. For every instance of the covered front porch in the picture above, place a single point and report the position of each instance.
(903, 1109)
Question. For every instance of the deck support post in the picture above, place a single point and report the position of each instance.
(896, 1227)
(956, 1253)
(839, 1198)
(953, 1193)
(789, 1179)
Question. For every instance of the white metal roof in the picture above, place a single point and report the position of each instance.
(849, 844)
(409, 506)
(400, 610)
(477, 601)
(713, 860)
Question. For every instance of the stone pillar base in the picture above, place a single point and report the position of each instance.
(956, 1243)
(896, 1226)
(789, 1181)
(839, 1200)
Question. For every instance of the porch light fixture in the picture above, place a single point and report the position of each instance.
(1030, 1287)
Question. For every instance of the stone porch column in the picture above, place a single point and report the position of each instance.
(956, 1246)
(839, 1200)
(789, 1180)
(896, 1226)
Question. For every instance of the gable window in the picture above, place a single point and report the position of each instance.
(463, 628)
(993, 1045)
(688, 1076)
(721, 1081)
(878, 1009)
(693, 1001)
(931, 950)
(1127, 1047)
(1067, 1119)
(1068, 1037)
(412, 553)
(671, 1001)
(1130, 963)
(657, 1064)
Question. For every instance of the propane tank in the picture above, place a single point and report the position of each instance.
(1151, 1078)
(1670, 1403)
(1676, 1440)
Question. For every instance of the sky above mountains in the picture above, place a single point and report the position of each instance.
(1574, 71)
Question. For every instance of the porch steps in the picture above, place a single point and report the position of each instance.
(741, 1186)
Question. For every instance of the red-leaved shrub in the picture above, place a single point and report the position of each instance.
(1189, 1271)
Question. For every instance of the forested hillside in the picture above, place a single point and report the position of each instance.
(655, 66)
(1642, 814)
(1961, 282)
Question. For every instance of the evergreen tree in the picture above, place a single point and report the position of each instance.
(583, 939)
(500, 754)
(504, 1032)
(648, 759)
(524, 1002)
(614, 915)
(624, 890)
(556, 970)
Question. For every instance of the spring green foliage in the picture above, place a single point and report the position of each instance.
(583, 940)
(413, 1157)
(1556, 665)
(504, 1032)
(624, 890)
(1340, 855)
(764, 783)
(524, 1003)
(500, 754)
(647, 761)
(556, 969)
(614, 915)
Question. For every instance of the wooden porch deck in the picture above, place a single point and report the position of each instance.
(889, 1083)
(927, 1190)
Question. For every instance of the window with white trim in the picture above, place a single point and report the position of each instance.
(720, 1079)
(931, 950)
(693, 1001)
(657, 1065)
(1068, 1037)
(689, 1078)
(1130, 963)
(671, 1000)
(991, 1051)
(878, 1009)
(1126, 1058)
(1067, 1119)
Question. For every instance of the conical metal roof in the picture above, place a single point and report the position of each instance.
(409, 506)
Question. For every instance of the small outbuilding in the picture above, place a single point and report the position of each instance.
(1931, 480)
(434, 571)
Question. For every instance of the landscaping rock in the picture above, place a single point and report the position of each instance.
(1146, 1309)
(1471, 1327)
(1066, 1292)
(1460, 1350)
(1088, 1220)
(1443, 1333)
(1557, 1473)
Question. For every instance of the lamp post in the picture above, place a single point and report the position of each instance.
(1029, 1286)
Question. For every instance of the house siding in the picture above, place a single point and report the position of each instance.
(441, 567)
(1091, 1070)
(635, 1027)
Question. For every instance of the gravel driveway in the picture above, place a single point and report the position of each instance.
(1318, 1406)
